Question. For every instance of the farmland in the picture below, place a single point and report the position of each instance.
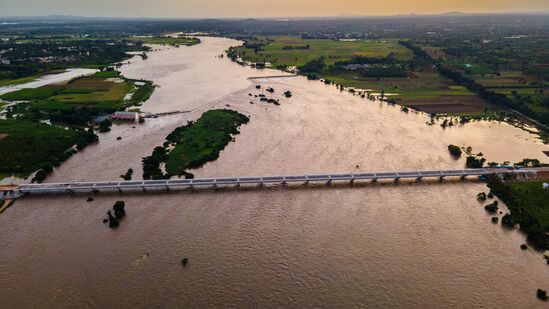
(105, 90)
(27, 144)
(420, 87)
(511, 72)
(291, 51)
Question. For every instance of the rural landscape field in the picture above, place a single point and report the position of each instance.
(207, 154)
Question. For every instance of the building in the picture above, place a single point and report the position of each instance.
(130, 116)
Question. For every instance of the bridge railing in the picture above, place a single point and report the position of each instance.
(144, 184)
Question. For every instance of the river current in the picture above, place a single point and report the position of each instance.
(408, 245)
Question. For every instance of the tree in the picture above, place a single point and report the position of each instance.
(113, 222)
(119, 211)
(454, 150)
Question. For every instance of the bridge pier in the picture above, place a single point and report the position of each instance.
(441, 178)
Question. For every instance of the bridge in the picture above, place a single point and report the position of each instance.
(94, 187)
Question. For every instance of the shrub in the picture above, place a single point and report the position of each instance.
(492, 208)
(541, 294)
(454, 150)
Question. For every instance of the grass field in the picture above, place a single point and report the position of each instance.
(43, 92)
(333, 51)
(23, 80)
(533, 198)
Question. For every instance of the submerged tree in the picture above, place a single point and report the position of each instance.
(119, 211)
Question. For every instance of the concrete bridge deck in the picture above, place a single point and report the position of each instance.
(98, 186)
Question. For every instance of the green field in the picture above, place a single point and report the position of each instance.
(333, 51)
(43, 92)
(534, 199)
(528, 203)
(26, 146)
(23, 80)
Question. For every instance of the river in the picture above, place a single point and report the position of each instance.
(422, 245)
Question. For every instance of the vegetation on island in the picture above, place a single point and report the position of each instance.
(128, 175)
(114, 215)
(455, 150)
(192, 145)
(542, 294)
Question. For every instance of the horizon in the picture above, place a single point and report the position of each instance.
(294, 17)
(195, 9)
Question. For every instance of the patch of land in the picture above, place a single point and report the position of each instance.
(27, 146)
(510, 72)
(528, 203)
(43, 132)
(194, 144)
(295, 51)
(104, 92)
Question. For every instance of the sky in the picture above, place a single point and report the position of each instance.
(259, 8)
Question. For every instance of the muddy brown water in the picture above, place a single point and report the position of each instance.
(407, 245)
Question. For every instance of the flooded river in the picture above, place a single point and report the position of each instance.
(421, 245)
